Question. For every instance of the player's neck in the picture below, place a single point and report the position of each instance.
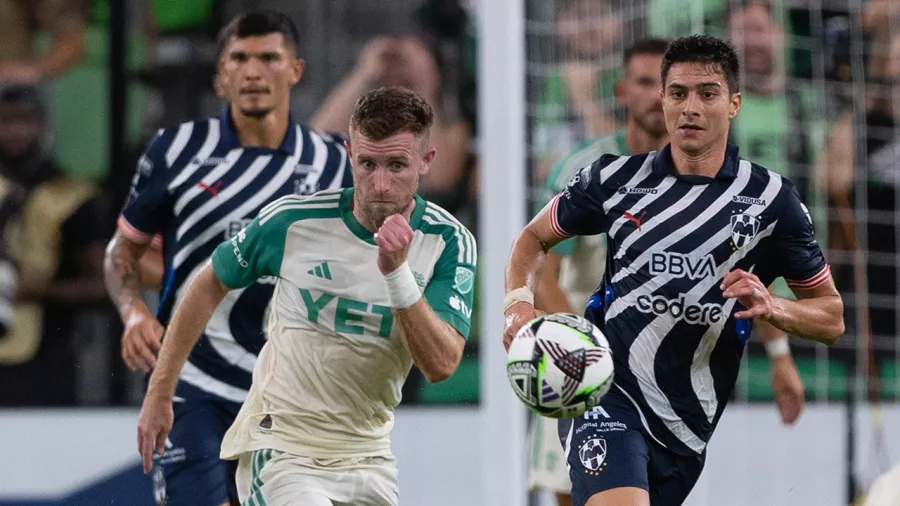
(706, 163)
(639, 140)
(267, 131)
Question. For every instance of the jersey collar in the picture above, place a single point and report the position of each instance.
(346, 206)
(663, 165)
(228, 135)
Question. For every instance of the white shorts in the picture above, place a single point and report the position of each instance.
(546, 458)
(273, 478)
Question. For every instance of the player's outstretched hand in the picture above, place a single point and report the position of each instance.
(788, 389)
(393, 239)
(750, 292)
(517, 315)
(141, 340)
(154, 426)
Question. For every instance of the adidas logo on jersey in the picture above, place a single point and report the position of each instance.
(266, 423)
(320, 271)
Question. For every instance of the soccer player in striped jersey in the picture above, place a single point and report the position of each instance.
(695, 236)
(370, 280)
(571, 269)
(199, 184)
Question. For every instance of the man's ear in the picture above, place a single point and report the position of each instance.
(427, 158)
(297, 66)
(736, 101)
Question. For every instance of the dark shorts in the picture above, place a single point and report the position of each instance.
(190, 471)
(608, 448)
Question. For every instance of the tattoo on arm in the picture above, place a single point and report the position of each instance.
(123, 272)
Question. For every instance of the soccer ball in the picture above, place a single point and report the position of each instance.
(560, 365)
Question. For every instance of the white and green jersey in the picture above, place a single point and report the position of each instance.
(584, 257)
(329, 377)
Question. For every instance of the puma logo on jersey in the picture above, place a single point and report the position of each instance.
(213, 189)
(637, 220)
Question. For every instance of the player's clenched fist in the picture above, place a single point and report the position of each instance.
(517, 315)
(393, 239)
(750, 292)
(141, 340)
(154, 426)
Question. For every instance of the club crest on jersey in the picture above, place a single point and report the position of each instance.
(464, 280)
(593, 455)
(743, 228)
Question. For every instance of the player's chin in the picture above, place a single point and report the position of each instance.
(255, 110)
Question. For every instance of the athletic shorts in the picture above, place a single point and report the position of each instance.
(546, 459)
(190, 472)
(273, 478)
(608, 448)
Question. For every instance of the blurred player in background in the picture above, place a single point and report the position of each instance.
(197, 185)
(315, 429)
(571, 269)
(695, 236)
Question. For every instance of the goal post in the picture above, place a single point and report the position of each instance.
(502, 212)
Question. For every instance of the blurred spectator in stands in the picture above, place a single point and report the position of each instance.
(406, 61)
(780, 125)
(21, 21)
(57, 244)
(861, 168)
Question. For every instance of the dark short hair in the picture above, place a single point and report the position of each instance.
(390, 110)
(645, 46)
(715, 53)
(259, 22)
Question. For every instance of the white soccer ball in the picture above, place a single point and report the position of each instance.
(560, 365)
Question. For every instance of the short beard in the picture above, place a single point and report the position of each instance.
(256, 113)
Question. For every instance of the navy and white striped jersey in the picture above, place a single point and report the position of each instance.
(672, 238)
(196, 186)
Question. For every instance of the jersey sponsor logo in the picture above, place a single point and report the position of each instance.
(460, 305)
(695, 314)
(237, 252)
(637, 220)
(350, 316)
(595, 413)
(464, 280)
(592, 455)
(212, 160)
(753, 201)
(631, 190)
(744, 227)
(681, 265)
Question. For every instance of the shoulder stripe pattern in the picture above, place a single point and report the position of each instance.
(434, 215)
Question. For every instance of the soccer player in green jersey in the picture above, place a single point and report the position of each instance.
(368, 281)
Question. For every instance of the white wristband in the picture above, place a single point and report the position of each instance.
(514, 296)
(402, 287)
(778, 347)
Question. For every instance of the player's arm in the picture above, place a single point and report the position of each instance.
(143, 215)
(786, 383)
(255, 252)
(578, 210)
(434, 325)
(818, 312)
(549, 296)
(435, 346)
(203, 294)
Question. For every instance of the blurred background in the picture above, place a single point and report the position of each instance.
(85, 83)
